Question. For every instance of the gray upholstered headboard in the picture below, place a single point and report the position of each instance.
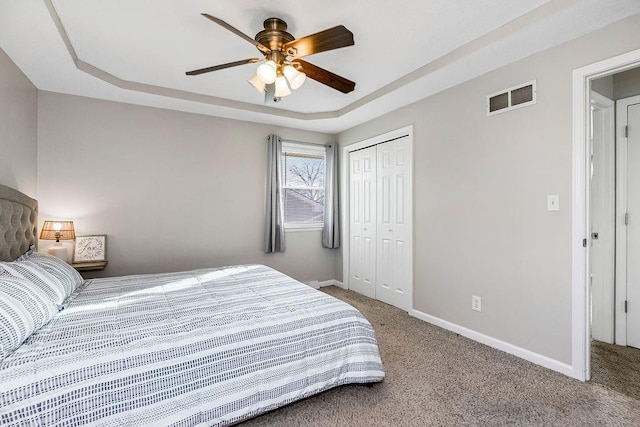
(18, 223)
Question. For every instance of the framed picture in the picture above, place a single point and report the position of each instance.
(90, 248)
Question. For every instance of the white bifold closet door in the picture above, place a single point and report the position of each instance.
(362, 221)
(393, 246)
(380, 222)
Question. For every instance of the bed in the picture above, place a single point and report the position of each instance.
(204, 347)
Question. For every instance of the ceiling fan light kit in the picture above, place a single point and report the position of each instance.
(295, 77)
(257, 83)
(282, 52)
(267, 72)
(282, 89)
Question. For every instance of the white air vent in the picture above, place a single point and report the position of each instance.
(512, 98)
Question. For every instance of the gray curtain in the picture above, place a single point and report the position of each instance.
(274, 213)
(331, 230)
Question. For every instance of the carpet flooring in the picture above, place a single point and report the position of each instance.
(437, 378)
(616, 367)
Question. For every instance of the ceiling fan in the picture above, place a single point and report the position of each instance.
(283, 69)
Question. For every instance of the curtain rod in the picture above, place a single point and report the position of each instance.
(308, 143)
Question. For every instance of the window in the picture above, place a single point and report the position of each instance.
(303, 170)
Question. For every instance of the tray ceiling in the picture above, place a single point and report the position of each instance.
(137, 51)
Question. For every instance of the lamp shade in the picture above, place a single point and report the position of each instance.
(57, 230)
(295, 77)
(267, 72)
(257, 83)
(282, 89)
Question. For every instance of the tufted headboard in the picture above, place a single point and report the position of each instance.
(18, 223)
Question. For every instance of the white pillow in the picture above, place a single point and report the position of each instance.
(47, 282)
(68, 275)
(24, 308)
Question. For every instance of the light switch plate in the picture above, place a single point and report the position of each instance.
(553, 202)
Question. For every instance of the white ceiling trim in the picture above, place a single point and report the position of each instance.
(168, 92)
(542, 12)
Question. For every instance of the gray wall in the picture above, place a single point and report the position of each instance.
(626, 84)
(18, 128)
(481, 224)
(604, 86)
(171, 190)
(618, 86)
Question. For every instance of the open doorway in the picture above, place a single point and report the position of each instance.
(614, 242)
(581, 212)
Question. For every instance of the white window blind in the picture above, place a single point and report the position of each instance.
(303, 183)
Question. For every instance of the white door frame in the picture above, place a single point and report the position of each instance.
(344, 197)
(580, 333)
(606, 244)
(621, 208)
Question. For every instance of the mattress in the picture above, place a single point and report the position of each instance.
(204, 347)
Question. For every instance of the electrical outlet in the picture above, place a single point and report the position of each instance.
(476, 303)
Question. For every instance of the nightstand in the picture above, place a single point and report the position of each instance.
(89, 266)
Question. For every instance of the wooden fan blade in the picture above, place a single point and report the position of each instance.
(333, 38)
(222, 66)
(326, 77)
(237, 32)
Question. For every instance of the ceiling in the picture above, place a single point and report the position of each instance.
(137, 51)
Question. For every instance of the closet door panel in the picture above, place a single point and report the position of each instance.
(394, 228)
(402, 226)
(369, 221)
(380, 220)
(362, 220)
(386, 212)
(355, 222)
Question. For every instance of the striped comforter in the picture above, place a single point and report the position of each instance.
(205, 347)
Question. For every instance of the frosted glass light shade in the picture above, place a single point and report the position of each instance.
(267, 72)
(257, 83)
(295, 77)
(282, 89)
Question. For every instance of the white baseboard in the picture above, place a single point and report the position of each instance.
(525, 354)
(332, 282)
(314, 284)
(317, 285)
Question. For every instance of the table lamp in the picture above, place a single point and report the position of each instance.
(58, 230)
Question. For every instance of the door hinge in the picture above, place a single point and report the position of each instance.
(626, 131)
(625, 306)
(626, 218)
(584, 243)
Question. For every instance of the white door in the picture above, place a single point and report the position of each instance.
(362, 221)
(394, 247)
(355, 222)
(633, 226)
(602, 218)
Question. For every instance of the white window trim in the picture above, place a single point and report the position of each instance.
(309, 149)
